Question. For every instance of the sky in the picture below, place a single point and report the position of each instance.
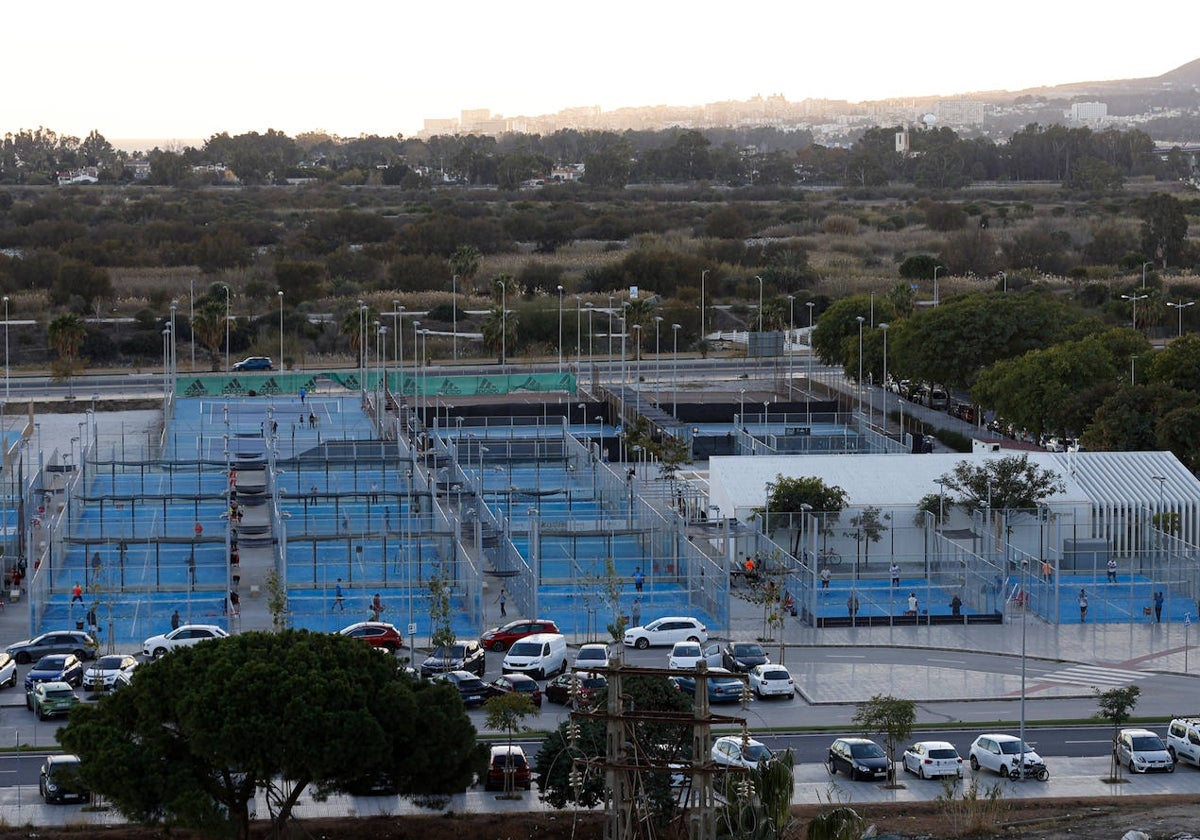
(179, 71)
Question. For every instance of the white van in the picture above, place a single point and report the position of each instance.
(539, 656)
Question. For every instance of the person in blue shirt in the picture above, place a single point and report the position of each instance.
(1158, 605)
(338, 603)
(638, 579)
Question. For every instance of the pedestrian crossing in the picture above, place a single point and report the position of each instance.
(1092, 676)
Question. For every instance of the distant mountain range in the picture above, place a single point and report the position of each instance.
(1185, 78)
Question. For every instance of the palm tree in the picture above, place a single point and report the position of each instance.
(209, 327)
(67, 333)
(493, 325)
(352, 326)
(639, 312)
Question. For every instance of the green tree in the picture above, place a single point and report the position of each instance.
(209, 327)
(465, 263)
(1177, 364)
(609, 167)
(889, 717)
(440, 616)
(1164, 228)
(300, 280)
(836, 334)
(1127, 421)
(795, 496)
(500, 332)
(66, 333)
(1116, 706)
(506, 713)
(1179, 432)
(1009, 483)
(865, 528)
(193, 737)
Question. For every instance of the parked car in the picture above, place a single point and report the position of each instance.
(591, 656)
(518, 683)
(254, 363)
(666, 631)
(1142, 751)
(734, 751)
(539, 656)
(378, 634)
(470, 688)
(102, 674)
(930, 759)
(740, 657)
(59, 667)
(858, 758)
(508, 761)
(723, 686)
(48, 699)
(57, 641)
(1183, 740)
(501, 638)
(8, 670)
(184, 636)
(59, 780)
(461, 656)
(583, 686)
(1003, 754)
(772, 681)
(687, 655)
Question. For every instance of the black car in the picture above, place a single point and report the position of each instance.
(470, 687)
(519, 683)
(460, 656)
(741, 657)
(858, 758)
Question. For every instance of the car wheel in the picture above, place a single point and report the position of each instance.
(80, 654)
(160, 652)
(22, 658)
(1171, 768)
(640, 644)
(563, 668)
(921, 771)
(1171, 752)
(831, 766)
(41, 714)
(539, 675)
(1014, 774)
(974, 763)
(695, 639)
(1132, 766)
(761, 696)
(498, 646)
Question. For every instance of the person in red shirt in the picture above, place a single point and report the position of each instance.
(77, 593)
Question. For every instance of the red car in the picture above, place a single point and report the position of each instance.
(379, 634)
(500, 639)
(520, 683)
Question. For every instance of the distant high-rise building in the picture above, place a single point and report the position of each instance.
(436, 127)
(1088, 112)
(954, 112)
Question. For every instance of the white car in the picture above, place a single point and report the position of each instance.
(591, 657)
(666, 631)
(102, 674)
(1141, 751)
(8, 670)
(687, 655)
(185, 636)
(1001, 754)
(930, 759)
(734, 751)
(771, 681)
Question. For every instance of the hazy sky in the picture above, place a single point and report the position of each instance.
(187, 71)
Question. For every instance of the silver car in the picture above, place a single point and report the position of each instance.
(1142, 751)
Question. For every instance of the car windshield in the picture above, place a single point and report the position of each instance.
(1147, 743)
(687, 650)
(866, 751)
(526, 649)
(49, 663)
(593, 682)
(942, 752)
(509, 760)
(756, 752)
(1012, 747)
(60, 694)
(451, 652)
(597, 653)
(109, 663)
(747, 650)
(776, 675)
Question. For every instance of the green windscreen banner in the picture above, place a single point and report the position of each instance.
(279, 384)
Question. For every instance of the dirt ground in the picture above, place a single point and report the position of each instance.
(1163, 818)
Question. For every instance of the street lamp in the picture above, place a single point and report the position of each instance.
(6, 348)
(884, 326)
(1004, 278)
(811, 306)
(791, 339)
(1180, 306)
(589, 309)
(1144, 272)
(281, 329)
(560, 305)
(637, 349)
(503, 322)
(228, 310)
(936, 269)
(860, 320)
(1134, 299)
(578, 327)
(610, 317)
(703, 274)
(657, 355)
(675, 371)
(416, 403)
(760, 302)
(454, 316)
(191, 318)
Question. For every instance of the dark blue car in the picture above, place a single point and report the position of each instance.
(254, 363)
(59, 667)
(723, 687)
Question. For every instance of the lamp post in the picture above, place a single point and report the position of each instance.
(1004, 280)
(742, 407)
(6, 348)
(811, 306)
(1024, 625)
(860, 320)
(589, 309)
(191, 318)
(503, 323)
(884, 326)
(791, 339)
(281, 329)
(383, 389)
(1134, 299)
(1144, 272)
(454, 317)
(760, 302)
(675, 371)
(173, 357)
(703, 274)
(578, 327)
(936, 269)
(228, 311)
(637, 374)
(560, 307)
(1180, 307)
(657, 355)
(416, 391)
(610, 328)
